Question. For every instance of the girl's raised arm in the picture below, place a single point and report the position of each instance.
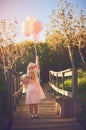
(37, 61)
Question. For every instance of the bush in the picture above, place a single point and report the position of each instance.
(3, 93)
(82, 84)
(67, 85)
(81, 80)
(4, 97)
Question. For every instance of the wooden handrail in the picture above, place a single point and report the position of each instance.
(63, 92)
(18, 92)
(67, 72)
(53, 77)
(14, 90)
(61, 74)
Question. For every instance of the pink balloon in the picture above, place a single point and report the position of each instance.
(37, 27)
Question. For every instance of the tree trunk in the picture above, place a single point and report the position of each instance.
(81, 55)
(71, 56)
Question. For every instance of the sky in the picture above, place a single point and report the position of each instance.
(40, 9)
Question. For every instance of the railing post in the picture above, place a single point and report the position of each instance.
(50, 79)
(62, 81)
(49, 76)
(10, 94)
(56, 80)
(75, 90)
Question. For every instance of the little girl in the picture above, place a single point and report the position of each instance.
(34, 90)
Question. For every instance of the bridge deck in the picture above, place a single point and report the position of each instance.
(48, 117)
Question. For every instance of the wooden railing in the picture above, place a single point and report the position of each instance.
(14, 91)
(54, 83)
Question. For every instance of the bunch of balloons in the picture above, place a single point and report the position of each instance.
(31, 26)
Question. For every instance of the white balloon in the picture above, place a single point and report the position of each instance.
(31, 18)
(27, 27)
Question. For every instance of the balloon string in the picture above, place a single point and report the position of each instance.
(38, 62)
(35, 49)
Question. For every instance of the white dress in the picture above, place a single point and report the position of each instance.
(34, 92)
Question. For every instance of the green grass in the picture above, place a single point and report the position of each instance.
(81, 84)
(67, 85)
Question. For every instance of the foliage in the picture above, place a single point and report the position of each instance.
(48, 58)
(11, 53)
(3, 87)
(67, 85)
(8, 52)
(82, 80)
(82, 106)
(67, 28)
(26, 54)
(3, 93)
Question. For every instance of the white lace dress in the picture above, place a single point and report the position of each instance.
(34, 92)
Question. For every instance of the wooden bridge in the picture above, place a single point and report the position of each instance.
(55, 112)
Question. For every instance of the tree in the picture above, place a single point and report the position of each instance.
(9, 51)
(81, 33)
(64, 27)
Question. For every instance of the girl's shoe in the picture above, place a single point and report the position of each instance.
(36, 116)
(32, 116)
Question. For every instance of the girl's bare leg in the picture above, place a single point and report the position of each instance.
(36, 110)
(31, 108)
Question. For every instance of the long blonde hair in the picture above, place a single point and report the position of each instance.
(32, 71)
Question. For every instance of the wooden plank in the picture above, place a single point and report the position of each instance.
(45, 120)
(53, 73)
(47, 124)
(67, 73)
(63, 92)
